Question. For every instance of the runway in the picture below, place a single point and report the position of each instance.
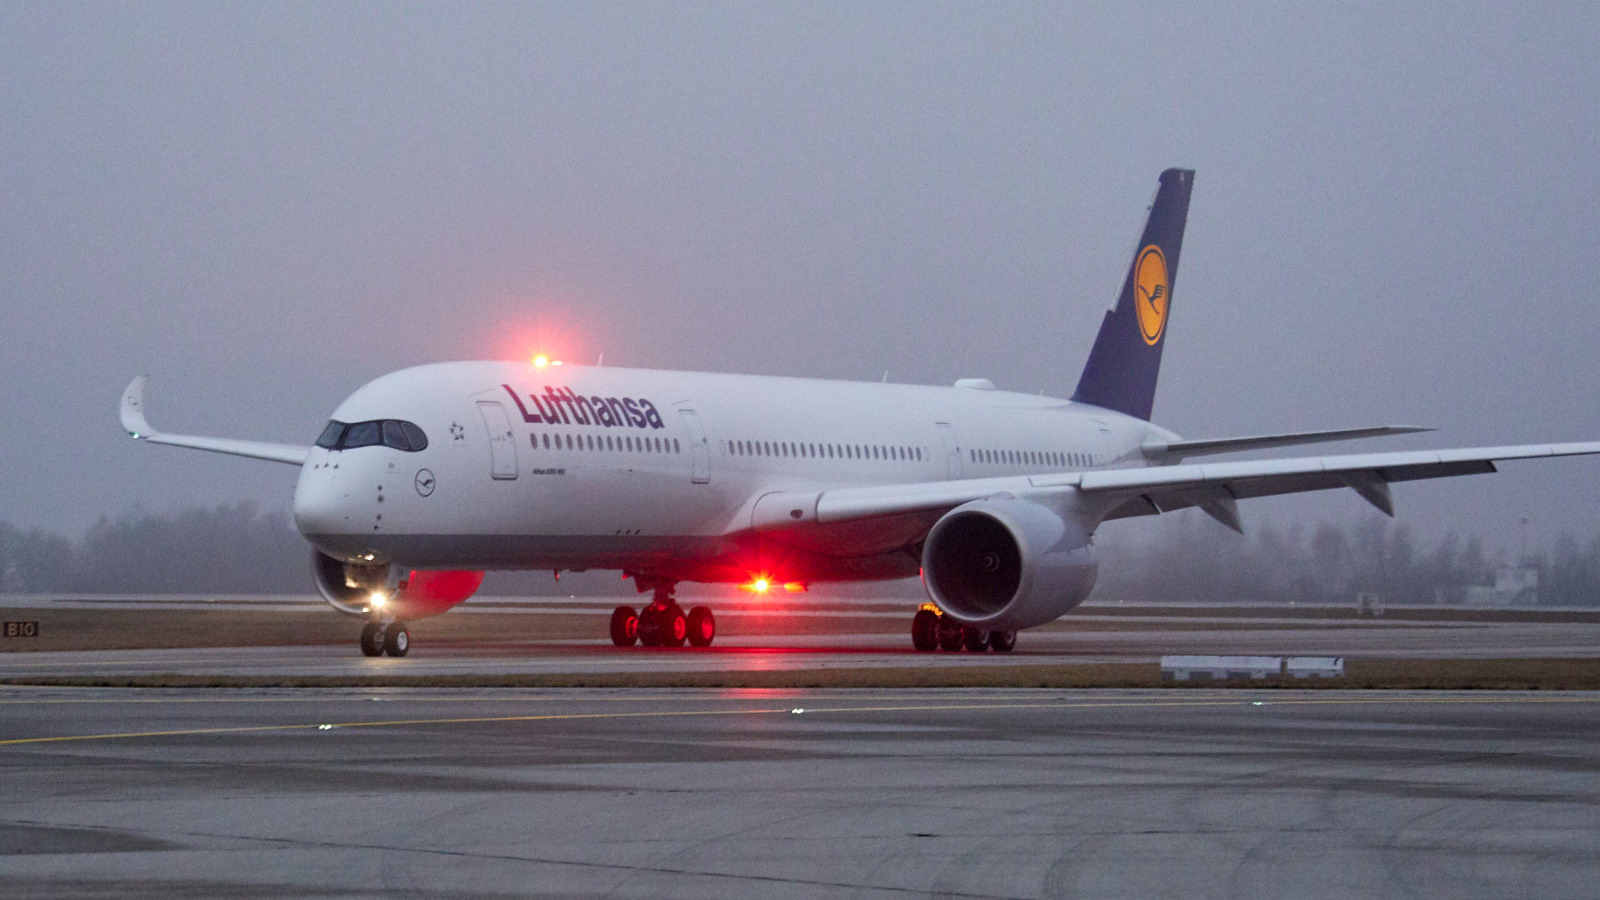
(662, 794)
(528, 655)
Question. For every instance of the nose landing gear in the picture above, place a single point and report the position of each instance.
(378, 638)
(663, 623)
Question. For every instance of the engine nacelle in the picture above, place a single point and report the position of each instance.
(356, 588)
(1006, 563)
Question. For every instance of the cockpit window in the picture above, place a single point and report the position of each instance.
(419, 441)
(330, 435)
(394, 436)
(361, 434)
(389, 432)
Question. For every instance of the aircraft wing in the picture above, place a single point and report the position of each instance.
(1218, 485)
(1213, 487)
(1173, 451)
(133, 419)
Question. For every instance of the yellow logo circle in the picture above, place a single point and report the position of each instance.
(1151, 293)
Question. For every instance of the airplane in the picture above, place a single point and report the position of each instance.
(426, 478)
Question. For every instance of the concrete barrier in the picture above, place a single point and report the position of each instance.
(1315, 666)
(1185, 668)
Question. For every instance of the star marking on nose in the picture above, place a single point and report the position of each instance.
(458, 431)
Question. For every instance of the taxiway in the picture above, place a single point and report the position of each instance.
(661, 794)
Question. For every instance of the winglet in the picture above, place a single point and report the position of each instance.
(133, 419)
(136, 424)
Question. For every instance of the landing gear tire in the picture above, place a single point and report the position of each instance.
(924, 628)
(372, 639)
(397, 639)
(662, 626)
(975, 639)
(1002, 641)
(624, 626)
(674, 627)
(649, 627)
(950, 634)
(702, 626)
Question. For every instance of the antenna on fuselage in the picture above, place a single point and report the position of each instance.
(601, 361)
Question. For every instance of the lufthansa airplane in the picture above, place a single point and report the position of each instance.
(429, 476)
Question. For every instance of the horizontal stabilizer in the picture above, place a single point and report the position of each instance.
(134, 421)
(1173, 451)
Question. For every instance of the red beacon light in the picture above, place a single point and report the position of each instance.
(766, 584)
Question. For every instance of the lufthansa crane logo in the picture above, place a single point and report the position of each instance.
(1151, 293)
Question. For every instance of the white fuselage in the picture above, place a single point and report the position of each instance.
(658, 472)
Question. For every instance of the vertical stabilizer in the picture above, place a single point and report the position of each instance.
(1121, 371)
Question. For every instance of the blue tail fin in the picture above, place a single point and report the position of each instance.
(1122, 367)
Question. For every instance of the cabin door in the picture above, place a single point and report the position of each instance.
(699, 447)
(502, 442)
(952, 451)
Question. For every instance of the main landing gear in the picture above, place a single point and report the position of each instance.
(933, 630)
(378, 638)
(663, 623)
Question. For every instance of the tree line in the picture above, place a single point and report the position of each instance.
(1191, 558)
(227, 549)
(240, 549)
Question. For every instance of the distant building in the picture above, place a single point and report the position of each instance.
(1513, 586)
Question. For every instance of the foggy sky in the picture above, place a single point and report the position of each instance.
(264, 206)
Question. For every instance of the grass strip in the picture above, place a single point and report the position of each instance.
(76, 629)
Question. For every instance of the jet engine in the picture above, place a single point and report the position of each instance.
(362, 589)
(1006, 563)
